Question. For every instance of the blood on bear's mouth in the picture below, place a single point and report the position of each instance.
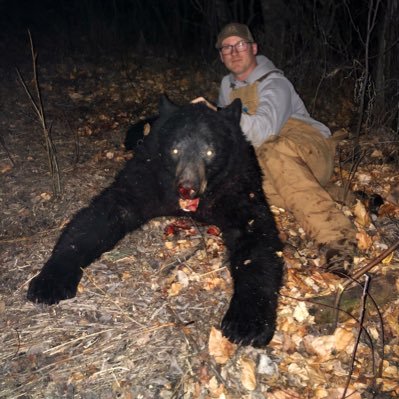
(189, 205)
(186, 201)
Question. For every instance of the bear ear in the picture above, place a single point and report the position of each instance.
(233, 111)
(166, 107)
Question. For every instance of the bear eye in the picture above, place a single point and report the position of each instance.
(209, 153)
(175, 151)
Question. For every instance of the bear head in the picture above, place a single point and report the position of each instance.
(200, 147)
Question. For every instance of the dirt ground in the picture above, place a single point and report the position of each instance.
(143, 323)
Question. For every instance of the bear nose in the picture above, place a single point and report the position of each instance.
(187, 191)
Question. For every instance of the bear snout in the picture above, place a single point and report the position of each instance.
(187, 191)
(190, 180)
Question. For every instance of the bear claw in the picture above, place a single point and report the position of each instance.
(50, 289)
(248, 325)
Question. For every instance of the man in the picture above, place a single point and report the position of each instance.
(296, 152)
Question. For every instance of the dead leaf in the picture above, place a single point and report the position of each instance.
(344, 339)
(364, 241)
(389, 209)
(103, 117)
(301, 312)
(389, 385)
(248, 376)
(321, 346)
(85, 131)
(182, 278)
(299, 371)
(364, 178)
(213, 283)
(215, 390)
(376, 154)
(45, 196)
(75, 377)
(320, 393)
(337, 393)
(388, 259)
(81, 288)
(220, 347)
(169, 244)
(283, 394)
(393, 195)
(203, 375)
(324, 346)
(5, 167)
(75, 96)
(175, 289)
(361, 215)
(147, 129)
(126, 276)
(390, 371)
(391, 317)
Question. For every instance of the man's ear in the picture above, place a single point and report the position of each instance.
(166, 107)
(233, 111)
(254, 48)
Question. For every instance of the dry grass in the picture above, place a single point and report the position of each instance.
(140, 323)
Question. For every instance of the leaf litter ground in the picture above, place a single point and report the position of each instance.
(145, 323)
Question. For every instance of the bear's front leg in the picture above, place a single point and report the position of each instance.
(251, 317)
(92, 231)
(54, 283)
(257, 274)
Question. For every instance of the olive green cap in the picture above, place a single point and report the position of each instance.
(234, 29)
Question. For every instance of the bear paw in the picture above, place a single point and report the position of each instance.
(50, 288)
(249, 322)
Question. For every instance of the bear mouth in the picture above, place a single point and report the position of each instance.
(188, 200)
(189, 205)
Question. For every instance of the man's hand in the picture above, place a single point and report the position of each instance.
(203, 100)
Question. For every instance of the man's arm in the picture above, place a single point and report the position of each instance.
(205, 101)
(275, 107)
(273, 112)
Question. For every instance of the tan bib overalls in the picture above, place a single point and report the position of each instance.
(297, 164)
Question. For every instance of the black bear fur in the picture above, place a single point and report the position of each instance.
(193, 157)
(135, 134)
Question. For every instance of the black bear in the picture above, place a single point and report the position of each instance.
(195, 161)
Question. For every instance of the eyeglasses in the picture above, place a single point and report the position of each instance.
(239, 47)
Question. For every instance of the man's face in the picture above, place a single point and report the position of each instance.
(240, 64)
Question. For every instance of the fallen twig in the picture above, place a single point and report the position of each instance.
(363, 270)
(361, 321)
(371, 264)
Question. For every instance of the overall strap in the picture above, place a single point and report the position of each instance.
(249, 94)
(263, 77)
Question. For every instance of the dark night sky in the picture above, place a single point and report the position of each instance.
(179, 25)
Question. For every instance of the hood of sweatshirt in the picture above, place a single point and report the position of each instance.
(265, 66)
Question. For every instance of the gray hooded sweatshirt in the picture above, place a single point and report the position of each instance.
(278, 101)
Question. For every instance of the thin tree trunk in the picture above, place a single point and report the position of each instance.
(223, 12)
(380, 70)
(371, 23)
